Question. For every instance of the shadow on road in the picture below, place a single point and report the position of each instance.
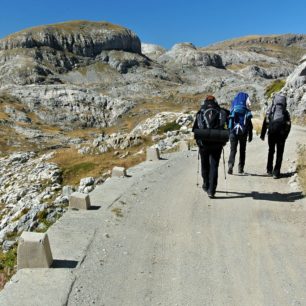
(68, 264)
(274, 196)
(282, 175)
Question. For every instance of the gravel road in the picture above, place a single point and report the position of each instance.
(164, 242)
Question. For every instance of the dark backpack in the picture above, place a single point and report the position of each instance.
(277, 115)
(212, 128)
(239, 115)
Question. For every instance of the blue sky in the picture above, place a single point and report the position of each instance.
(164, 22)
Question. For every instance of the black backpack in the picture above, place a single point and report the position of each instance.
(277, 115)
(212, 127)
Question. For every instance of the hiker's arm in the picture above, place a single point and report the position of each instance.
(250, 131)
(288, 123)
(195, 124)
(263, 129)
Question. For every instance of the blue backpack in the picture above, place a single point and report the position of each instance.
(239, 114)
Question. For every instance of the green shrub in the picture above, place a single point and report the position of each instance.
(170, 126)
(8, 259)
(274, 87)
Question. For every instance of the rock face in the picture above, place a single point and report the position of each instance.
(186, 54)
(62, 105)
(295, 89)
(29, 195)
(81, 38)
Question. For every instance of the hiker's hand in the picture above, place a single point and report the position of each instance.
(250, 139)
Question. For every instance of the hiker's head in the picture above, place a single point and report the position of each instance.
(210, 98)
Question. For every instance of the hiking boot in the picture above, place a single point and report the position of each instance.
(230, 170)
(204, 187)
(240, 171)
(269, 173)
(210, 194)
(276, 175)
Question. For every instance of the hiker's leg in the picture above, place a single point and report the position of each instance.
(271, 142)
(280, 145)
(214, 164)
(205, 165)
(234, 143)
(242, 148)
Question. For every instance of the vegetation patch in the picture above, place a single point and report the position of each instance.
(301, 167)
(76, 166)
(168, 127)
(274, 87)
(8, 262)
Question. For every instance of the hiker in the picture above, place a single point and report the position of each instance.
(278, 123)
(241, 130)
(211, 134)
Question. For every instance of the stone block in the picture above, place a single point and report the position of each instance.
(153, 154)
(118, 172)
(79, 200)
(34, 251)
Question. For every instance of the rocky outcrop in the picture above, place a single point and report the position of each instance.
(152, 51)
(295, 89)
(62, 105)
(81, 38)
(30, 195)
(186, 54)
(285, 40)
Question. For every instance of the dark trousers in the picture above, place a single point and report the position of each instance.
(234, 140)
(279, 143)
(210, 157)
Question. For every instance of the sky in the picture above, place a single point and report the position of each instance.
(163, 22)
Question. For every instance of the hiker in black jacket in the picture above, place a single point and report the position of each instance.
(277, 122)
(210, 133)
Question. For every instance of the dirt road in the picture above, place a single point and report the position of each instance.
(164, 242)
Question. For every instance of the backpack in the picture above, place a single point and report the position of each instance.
(211, 120)
(276, 114)
(239, 115)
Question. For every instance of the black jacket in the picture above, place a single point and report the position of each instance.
(283, 133)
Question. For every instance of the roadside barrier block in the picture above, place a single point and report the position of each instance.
(153, 154)
(79, 200)
(34, 251)
(118, 172)
(183, 146)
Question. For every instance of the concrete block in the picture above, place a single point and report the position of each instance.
(183, 146)
(118, 172)
(34, 251)
(79, 200)
(153, 154)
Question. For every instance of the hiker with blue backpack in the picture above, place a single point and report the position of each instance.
(277, 122)
(211, 134)
(241, 130)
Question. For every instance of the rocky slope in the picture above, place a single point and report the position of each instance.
(295, 89)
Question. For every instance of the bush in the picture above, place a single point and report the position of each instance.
(274, 87)
(170, 126)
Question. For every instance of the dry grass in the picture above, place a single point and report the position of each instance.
(257, 124)
(76, 166)
(301, 168)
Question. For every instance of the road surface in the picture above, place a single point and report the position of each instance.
(155, 238)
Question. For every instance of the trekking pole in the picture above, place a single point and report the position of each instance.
(198, 167)
(224, 171)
